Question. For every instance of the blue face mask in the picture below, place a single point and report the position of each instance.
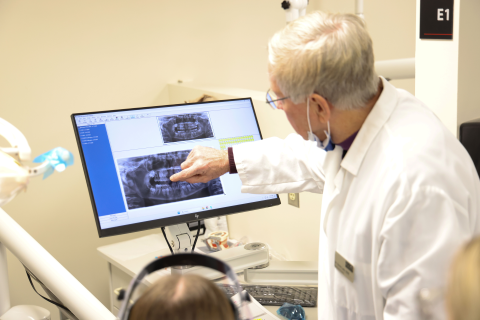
(327, 144)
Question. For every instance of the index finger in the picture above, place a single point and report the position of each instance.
(187, 163)
(183, 175)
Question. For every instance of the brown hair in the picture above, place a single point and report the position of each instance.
(187, 297)
(463, 293)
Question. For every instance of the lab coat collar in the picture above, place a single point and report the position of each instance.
(375, 121)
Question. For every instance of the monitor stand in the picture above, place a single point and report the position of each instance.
(181, 239)
(252, 255)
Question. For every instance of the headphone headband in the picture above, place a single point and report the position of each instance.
(182, 259)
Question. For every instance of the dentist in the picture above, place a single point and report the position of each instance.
(400, 193)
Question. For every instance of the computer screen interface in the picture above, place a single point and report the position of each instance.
(129, 155)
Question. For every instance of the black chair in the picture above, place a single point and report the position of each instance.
(469, 136)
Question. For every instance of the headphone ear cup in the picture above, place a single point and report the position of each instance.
(234, 309)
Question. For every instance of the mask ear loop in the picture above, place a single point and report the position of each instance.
(308, 116)
(327, 141)
(313, 137)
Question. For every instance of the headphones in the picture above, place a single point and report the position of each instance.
(185, 259)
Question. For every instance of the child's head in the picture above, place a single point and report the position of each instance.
(463, 292)
(182, 297)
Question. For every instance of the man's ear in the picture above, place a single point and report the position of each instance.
(321, 108)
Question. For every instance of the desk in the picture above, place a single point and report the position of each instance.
(126, 259)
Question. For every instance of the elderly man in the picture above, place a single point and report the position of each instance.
(400, 193)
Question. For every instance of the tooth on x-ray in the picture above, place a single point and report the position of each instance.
(184, 127)
(146, 180)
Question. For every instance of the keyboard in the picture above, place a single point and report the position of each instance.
(268, 295)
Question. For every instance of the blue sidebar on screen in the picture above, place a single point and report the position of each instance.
(101, 169)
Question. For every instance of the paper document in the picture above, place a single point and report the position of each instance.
(257, 311)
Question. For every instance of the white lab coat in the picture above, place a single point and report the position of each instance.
(397, 206)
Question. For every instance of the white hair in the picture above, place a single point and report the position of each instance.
(327, 54)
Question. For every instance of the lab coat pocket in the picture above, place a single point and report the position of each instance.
(355, 298)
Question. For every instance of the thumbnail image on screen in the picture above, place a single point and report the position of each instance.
(146, 180)
(184, 127)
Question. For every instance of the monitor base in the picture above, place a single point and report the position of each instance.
(252, 255)
(238, 258)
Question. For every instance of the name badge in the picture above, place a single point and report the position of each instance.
(345, 267)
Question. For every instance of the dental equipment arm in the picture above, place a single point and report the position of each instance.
(294, 9)
(359, 8)
(82, 303)
(14, 177)
(390, 69)
(18, 142)
(396, 69)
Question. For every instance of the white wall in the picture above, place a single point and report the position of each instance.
(436, 68)
(447, 70)
(59, 57)
(391, 24)
(469, 63)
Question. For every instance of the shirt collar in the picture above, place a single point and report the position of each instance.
(348, 142)
(375, 121)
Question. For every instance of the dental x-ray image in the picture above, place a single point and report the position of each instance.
(146, 180)
(183, 127)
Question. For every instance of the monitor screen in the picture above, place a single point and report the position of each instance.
(129, 155)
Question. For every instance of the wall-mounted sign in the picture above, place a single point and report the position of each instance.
(436, 19)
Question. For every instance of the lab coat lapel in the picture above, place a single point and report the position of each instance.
(332, 181)
(375, 121)
(331, 168)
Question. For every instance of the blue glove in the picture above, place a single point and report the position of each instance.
(291, 311)
(58, 159)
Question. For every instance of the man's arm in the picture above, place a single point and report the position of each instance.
(268, 166)
(275, 165)
(202, 165)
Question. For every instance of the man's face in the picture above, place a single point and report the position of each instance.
(296, 113)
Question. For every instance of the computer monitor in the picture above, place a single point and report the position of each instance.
(129, 155)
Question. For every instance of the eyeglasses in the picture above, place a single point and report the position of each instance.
(272, 99)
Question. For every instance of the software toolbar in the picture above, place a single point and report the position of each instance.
(107, 118)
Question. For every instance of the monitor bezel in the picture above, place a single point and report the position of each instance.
(153, 224)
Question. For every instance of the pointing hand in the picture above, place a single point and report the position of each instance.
(202, 165)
